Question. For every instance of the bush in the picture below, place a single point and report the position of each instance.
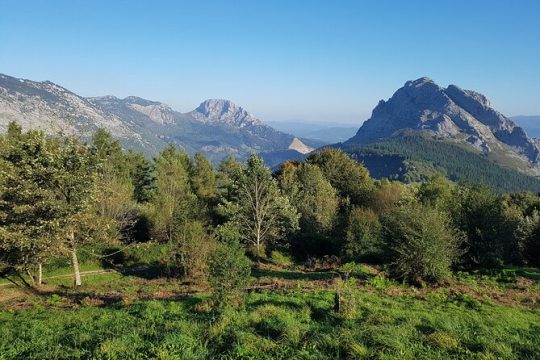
(229, 271)
(190, 248)
(420, 244)
(345, 299)
(363, 240)
(532, 247)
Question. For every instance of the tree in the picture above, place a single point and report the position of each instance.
(421, 244)
(114, 203)
(387, 196)
(142, 177)
(363, 238)
(318, 205)
(436, 192)
(203, 178)
(257, 206)
(229, 268)
(173, 191)
(229, 173)
(348, 177)
(28, 206)
(72, 175)
(478, 214)
(532, 242)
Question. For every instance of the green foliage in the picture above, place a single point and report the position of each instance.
(421, 244)
(490, 229)
(141, 172)
(436, 192)
(318, 205)
(190, 248)
(348, 177)
(280, 258)
(114, 202)
(255, 204)
(47, 193)
(173, 192)
(388, 195)
(228, 270)
(203, 178)
(29, 220)
(363, 239)
(532, 245)
(417, 158)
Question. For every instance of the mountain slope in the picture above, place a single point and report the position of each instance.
(424, 128)
(417, 157)
(461, 116)
(217, 127)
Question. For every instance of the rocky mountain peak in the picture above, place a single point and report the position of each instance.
(420, 82)
(224, 111)
(460, 115)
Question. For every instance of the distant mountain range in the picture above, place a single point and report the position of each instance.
(425, 128)
(422, 129)
(216, 128)
(328, 133)
(531, 124)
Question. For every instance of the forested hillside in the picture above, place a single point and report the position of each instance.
(417, 158)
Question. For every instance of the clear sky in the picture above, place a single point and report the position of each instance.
(281, 60)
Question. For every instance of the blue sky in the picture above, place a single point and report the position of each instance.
(281, 60)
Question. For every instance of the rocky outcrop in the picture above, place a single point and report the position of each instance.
(299, 146)
(224, 112)
(461, 115)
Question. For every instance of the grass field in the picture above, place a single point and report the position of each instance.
(289, 314)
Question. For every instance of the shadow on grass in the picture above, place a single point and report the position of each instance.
(276, 302)
(293, 275)
(147, 271)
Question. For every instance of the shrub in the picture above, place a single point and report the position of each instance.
(363, 235)
(229, 270)
(421, 245)
(190, 248)
(532, 247)
(345, 299)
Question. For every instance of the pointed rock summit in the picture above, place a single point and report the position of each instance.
(453, 113)
(225, 112)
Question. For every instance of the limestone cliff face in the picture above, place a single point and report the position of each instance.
(224, 112)
(460, 115)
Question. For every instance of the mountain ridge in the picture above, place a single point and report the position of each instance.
(217, 127)
(465, 117)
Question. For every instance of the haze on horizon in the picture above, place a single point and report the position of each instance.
(281, 60)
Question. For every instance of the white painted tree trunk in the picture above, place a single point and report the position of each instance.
(40, 275)
(75, 260)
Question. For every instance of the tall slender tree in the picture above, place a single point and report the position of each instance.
(173, 191)
(258, 207)
(72, 175)
(28, 207)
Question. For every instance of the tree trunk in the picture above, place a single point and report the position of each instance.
(76, 269)
(75, 260)
(40, 275)
(31, 278)
(258, 249)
